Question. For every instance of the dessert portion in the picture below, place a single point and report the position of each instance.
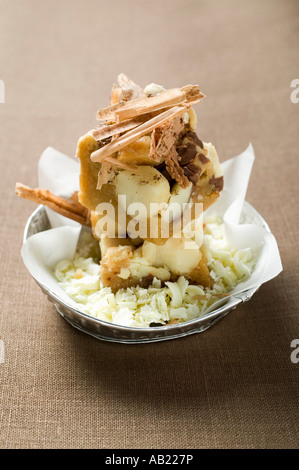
(146, 179)
(145, 152)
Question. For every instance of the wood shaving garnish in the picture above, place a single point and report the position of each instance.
(103, 132)
(186, 96)
(68, 208)
(132, 114)
(149, 104)
(102, 153)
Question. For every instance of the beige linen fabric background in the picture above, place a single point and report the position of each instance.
(234, 386)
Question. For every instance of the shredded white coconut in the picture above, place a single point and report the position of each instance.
(174, 302)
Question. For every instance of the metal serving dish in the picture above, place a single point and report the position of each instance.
(102, 330)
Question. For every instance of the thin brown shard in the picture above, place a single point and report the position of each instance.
(175, 170)
(71, 209)
(101, 154)
(166, 99)
(111, 130)
(104, 174)
(163, 147)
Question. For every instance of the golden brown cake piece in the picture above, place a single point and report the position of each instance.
(119, 270)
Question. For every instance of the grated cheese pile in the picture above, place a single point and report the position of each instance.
(175, 302)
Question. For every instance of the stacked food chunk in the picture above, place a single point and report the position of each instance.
(145, 180)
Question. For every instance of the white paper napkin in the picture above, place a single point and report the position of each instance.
(59, 174)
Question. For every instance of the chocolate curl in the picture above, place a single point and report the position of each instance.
(68, 208)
